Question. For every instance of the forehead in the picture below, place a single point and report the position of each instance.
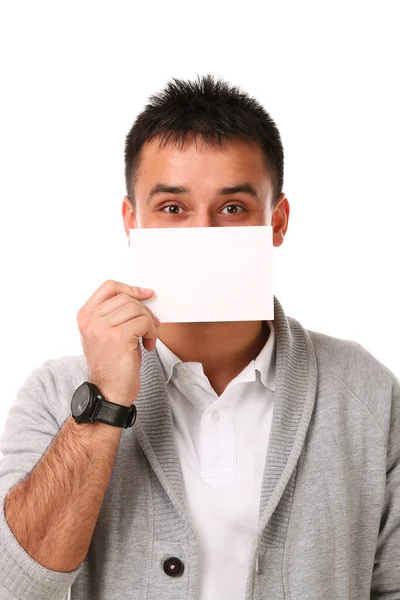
(196, 159)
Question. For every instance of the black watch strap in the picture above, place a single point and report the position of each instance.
(114, 414)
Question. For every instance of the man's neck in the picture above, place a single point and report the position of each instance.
(224, 349)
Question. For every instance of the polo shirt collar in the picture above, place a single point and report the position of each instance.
(264, 363)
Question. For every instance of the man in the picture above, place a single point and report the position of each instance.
(263, 459)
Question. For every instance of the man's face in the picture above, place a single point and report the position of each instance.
(209, 177)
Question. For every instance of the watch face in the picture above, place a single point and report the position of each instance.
(80, 400)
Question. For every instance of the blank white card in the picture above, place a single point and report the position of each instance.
(204, 274)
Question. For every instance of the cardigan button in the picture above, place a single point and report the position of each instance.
(173, 566)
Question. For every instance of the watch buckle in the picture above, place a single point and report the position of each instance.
(95, 409)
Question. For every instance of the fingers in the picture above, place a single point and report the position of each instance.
(125, 313)
(140, 326)
(111, 288)
(116, 302)
(111, 295)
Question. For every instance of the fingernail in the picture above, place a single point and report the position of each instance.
(145, 290)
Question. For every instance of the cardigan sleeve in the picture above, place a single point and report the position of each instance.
(385, 583)
(30, 428)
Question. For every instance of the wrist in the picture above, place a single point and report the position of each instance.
(93, 431)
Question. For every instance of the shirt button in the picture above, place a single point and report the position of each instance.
(215, 415)
(173, 566)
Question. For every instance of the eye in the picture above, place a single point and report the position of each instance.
(236, 205)
(169, 206)
(176, 212)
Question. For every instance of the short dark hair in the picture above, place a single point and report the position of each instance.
(213, 110)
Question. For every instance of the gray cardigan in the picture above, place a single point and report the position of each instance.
(329, 524)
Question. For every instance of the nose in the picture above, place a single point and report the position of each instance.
(202, 220)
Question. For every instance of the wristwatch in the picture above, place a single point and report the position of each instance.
(88, 405)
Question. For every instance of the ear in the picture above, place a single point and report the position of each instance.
(128, 215)
(280, 220)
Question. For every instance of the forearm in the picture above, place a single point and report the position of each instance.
(54, 510)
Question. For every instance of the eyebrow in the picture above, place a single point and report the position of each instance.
(242, 188)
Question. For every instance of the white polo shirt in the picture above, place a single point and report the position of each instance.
(222, 443)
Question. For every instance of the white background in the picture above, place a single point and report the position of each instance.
(74, 75)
